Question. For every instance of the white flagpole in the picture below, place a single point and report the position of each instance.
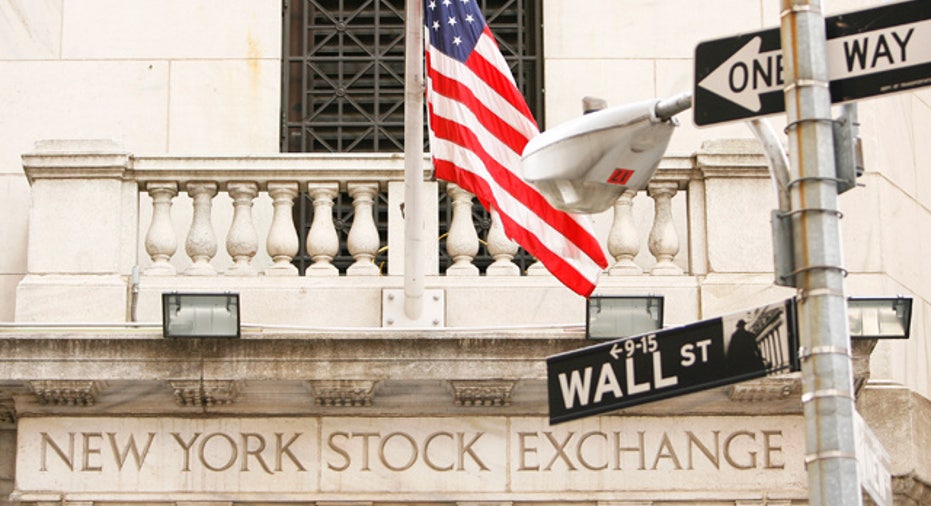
(413, 161)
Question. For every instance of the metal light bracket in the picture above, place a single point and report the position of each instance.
(432, 315)
(848, 149)
(783, 256)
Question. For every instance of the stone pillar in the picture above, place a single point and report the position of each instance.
(160, 241)
(664, 242)
(502, 249)
(201, 243)
(82, 235)
(322, 240)
(282, 240)
(462, 240)
(242, 241)
(623, 240)
(363, 240)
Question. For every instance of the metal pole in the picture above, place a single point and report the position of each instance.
(827, 380)
(413, 161)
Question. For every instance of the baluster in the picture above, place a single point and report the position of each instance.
(363, 238)
(462, 239)
(501, 248)
(322, 240)
(160, 240)
(623, 243)
(201, 243)
(282, 242)
(242, 241)
(664, 242)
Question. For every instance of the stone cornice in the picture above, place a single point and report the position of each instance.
(732, 158)
(76, 159)
(327, 357)
(197, 393)
(482, 392)
(346, 393)
(766, 389)
(67, 392)
(301, 168)
(7, 411)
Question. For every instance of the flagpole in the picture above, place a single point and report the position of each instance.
(413, 160)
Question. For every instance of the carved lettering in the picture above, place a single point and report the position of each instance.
(411, 449)
(340, 450)
(618, 450)
(254, 453)
(120, 455)
(365, 447)
(551, 450)
(48, 441)
(400, 451)
(727, 450)
(523, 450)
(91, 451)
(426, 451)
(467, 449)
(769, 449)
(560, 451)
(713, 457)
(666, 451)
(285, 449)
(579, 452)
(186, 447)
(231, 450)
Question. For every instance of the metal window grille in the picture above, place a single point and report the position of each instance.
(343, 91)
(343, 72)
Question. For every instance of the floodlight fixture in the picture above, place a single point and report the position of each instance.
(879, 317)
(615, 317)
(200, 315)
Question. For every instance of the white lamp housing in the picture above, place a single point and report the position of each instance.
(585, 164)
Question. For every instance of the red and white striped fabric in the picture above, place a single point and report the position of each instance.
(479, 125)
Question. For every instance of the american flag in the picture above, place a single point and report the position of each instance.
(479, 124)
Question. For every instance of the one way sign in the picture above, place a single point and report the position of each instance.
(870, 52)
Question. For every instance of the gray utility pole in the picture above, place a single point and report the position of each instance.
(827, 381)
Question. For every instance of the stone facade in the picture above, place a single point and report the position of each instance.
(139, 155)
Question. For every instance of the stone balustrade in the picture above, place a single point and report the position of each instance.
(233, 217)
(281, 242)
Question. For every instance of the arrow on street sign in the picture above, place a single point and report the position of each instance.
(649, 367)
(870, 52)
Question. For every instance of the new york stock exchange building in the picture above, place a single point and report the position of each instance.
(253, 149)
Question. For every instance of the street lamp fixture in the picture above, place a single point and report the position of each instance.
(614, 317)
(879, 318)
(200, 315)
(585, 164)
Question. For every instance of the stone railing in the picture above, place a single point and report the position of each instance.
(363, 180)
(115, 212)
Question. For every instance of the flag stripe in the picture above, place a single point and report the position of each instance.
(508, 134)
(492, 98)
(447, 118)
(512, 186)
(543, 234)
(567, 272)
(479, 125)
(487, 61)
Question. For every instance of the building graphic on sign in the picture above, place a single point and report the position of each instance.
(254, 148)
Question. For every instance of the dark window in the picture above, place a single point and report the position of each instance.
(343, 72)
